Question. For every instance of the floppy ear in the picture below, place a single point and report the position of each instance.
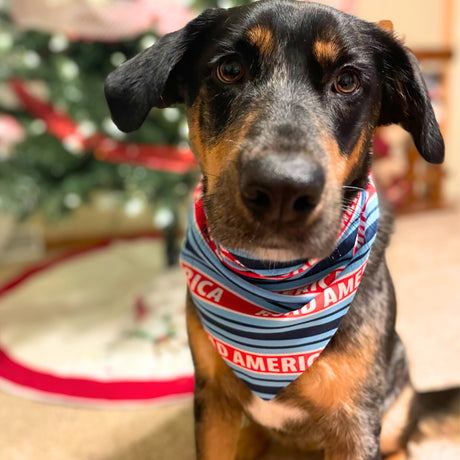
(149, 78)
(405, 99)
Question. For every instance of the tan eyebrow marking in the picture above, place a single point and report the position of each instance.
(325, 51)
(262, 37)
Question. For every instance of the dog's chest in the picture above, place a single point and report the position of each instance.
(273, 414)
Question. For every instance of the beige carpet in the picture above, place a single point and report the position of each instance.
(425, 262)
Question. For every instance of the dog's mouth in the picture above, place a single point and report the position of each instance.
(235, 229)
(276, 255)
(302, 246)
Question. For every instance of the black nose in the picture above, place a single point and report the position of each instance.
(280, 189)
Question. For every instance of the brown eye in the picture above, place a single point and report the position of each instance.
(230, 70)
(346, 82)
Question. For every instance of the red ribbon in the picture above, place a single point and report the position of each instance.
(167, 158)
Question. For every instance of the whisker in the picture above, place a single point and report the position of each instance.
(351, 187)
(231, 141)
(346, 208)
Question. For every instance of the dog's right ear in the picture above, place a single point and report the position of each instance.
(148, 79)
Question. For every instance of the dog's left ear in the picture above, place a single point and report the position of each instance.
(150, 79)
(405, 99)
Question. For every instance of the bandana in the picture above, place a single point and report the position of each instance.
(271, 321)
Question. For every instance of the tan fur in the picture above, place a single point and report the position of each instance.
(386, 25)
(326, 52)
(335, 378)
(195, 135)
(252, 442)
(398, 456)
(218, 430)
(218, 427)
(213, 157)
(395, 421)
(341, 166)
(262, 37)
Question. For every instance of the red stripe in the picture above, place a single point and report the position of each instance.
(278, 364)
(57, 122)
(157, 157)
(203, 286)
(90, 388)
(17, 280)
(209, 290)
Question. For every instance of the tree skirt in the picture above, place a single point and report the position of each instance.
(105, 326)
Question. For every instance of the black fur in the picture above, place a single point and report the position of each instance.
(286, 110)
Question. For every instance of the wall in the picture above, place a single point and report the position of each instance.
(454, 121)
(429, 24)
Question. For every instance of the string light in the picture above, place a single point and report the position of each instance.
(58, 43)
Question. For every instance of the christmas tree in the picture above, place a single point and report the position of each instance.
(55, 128)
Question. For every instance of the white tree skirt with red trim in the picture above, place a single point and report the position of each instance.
(105, 326)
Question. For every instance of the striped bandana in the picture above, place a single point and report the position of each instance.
(271, 321)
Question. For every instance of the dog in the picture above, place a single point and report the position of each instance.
(282, 100)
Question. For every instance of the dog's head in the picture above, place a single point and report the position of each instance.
(282, 100)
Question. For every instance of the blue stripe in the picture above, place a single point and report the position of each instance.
(235, 319)
(261, 389)
(253, 377)
(262, 346)
(270, 334)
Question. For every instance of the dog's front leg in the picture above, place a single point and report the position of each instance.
(358, 453)
(358, 441)
(217, 412)
(351, 455)
(217, 424)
